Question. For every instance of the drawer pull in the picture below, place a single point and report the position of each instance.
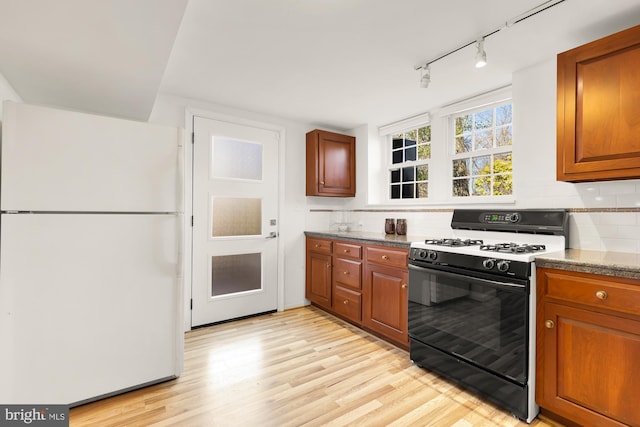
(345, 302)
(385, 257)
(549, 324)
(317, 245)
(601, 295)
(346, 251)
(345, 273)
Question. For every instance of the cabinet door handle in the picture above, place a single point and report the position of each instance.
(601, 295)
(549, 324)
(345, 302)
(321, 182)
(328, 265)
(405, 286)
(385, 257)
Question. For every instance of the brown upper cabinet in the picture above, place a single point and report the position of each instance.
(598, 109)
(331, 164)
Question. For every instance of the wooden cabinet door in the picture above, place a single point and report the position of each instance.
(385, 301)
(331, 164)
(587, 366)
(318, 280)
(598, 109)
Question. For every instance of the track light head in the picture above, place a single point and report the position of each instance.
(425, 76)
(481, 55)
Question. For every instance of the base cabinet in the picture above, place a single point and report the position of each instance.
(318, 271)
(588, 347)
(385, 293)
(364, 284)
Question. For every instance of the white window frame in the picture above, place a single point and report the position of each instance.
(478, 103)
(411, 163)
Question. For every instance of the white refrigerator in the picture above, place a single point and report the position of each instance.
(90, 254)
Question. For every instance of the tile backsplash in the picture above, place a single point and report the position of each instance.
(610, 229)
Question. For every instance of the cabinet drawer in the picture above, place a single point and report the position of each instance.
(595, 291)
(347, 250)
(347, 272)
(319, 245)
(347, 303)
(387, 256)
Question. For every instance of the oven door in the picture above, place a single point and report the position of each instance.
(475, 317)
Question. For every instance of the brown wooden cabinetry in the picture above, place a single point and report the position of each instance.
(588, 346)
(367, 285)
(331, 164)
(347, 281)
(318, 271)
(384, 293)
(598, 109)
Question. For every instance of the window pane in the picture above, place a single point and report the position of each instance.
(463, 124)
(424, 152)
(503, 185)
(482, 186)
(422, 190)
(460, 187)
(484, 140)
(231, 158)
(407, 191)
(235, 273)
(502, 163)
(463, 144)
(410, 154)
(408, 174)
(395, 175)
(397, 157)
(504, 115)
(461, 168)
(410, 138)
(397, 141)
(504, 136)
(481, 165)
(395, 191)
(424, 134)
(422, 173)
(232, 216)
(484, 119)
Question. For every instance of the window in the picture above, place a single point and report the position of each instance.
(482, 142)
(409, 170)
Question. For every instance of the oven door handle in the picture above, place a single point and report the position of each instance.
(491, 283)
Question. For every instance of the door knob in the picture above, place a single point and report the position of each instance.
(549, 324)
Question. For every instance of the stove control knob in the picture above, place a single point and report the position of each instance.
(433, 255)
(489, 263)
(422, 254)
(503, 266)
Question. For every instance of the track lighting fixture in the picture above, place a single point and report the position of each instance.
(481, 55)
(425, 76)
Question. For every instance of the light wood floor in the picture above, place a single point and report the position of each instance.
(299, 367)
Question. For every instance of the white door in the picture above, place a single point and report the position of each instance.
(235, 225)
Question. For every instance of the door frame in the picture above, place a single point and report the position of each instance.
(190, 113)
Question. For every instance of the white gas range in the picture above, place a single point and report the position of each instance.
(472, 301)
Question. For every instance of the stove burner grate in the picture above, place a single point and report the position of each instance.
(453, 242)
(513, 248)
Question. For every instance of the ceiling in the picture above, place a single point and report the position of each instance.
(331, 63)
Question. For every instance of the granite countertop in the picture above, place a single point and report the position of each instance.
(383, 239)
(617, 264)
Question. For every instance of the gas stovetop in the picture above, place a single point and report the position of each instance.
(495, 241)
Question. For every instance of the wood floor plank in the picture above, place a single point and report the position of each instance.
(301, 367)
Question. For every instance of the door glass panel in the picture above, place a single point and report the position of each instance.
(234, 216)
(231, 158)
(231, 274)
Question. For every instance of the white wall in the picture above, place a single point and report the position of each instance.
(172, 110)
(605, 215)
(7, 93)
